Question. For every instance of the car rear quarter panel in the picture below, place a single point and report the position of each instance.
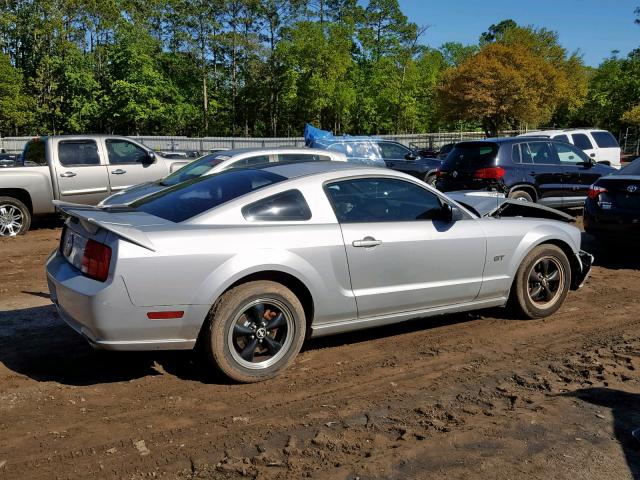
(196, 265)
(509, 240)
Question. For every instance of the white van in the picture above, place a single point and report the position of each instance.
(598, 144)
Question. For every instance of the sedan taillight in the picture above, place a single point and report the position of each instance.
(490, 173)
(594, 191)
(96, 260)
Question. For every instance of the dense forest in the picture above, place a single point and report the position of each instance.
(266, 67)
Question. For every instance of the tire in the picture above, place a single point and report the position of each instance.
(430, 179)
(521, 195)
(534, 294)
(237, 329)
(15, 218)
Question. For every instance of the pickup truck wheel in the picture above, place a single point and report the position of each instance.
(521, 195)
(430, 179)
(542, 282)
(15, 218)
(254, 331)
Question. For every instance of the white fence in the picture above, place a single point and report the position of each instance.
(171, 143)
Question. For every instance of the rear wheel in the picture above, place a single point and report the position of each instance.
(255, 331)
(542, 282)
(15, 217)
(521, 195)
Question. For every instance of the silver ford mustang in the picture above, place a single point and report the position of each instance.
(248, 263)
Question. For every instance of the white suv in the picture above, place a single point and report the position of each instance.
(598, 144)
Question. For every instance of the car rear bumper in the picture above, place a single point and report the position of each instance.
(623, 225)
(105, 316)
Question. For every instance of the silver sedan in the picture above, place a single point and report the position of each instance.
(248, 263)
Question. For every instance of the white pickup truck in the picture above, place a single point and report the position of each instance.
(77, 169)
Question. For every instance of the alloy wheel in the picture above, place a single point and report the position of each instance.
(11, 220)
(545, 282)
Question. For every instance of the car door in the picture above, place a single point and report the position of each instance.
(575, 173)
(401, 257)
(394, 154)
(130, 164)
(583, 142)
(81, 172)
(540, 163)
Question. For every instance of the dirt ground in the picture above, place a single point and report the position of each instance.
(468, 396)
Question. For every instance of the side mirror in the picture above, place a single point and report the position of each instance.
(151, 157)
(450, 214)
(410, 156)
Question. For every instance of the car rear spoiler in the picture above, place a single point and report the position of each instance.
(89, 216)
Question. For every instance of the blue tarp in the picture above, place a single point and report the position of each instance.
(360, 149)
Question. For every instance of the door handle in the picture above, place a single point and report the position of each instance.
(366, 242)
(118, 171)
(68, 174)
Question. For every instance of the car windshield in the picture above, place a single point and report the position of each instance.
(192, 197)
(194, 169)
(471, 155)
(632, 169)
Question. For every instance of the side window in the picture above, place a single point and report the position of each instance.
(562, 138)
(569, 155)
(542, 154)
(122, 152)
(251, 161)
(381, 200)
(78, 153)
(302, 157)
(391, 150)
(604, 139)
(34, 154)
(282, 207)
(581, 141)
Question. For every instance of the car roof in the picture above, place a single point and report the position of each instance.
(269, 151)
(294, 170)
(509, 140)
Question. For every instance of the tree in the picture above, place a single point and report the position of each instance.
(15, 106)
(497, 31)
(454, 53)
(502, 86)
(632, 116)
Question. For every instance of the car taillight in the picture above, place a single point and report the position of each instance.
(439, 173)
(490, 173)
(594, 191)
(96, 260)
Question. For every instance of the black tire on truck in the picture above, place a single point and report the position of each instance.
(15, 217)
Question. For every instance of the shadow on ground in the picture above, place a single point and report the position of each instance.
(36, 343)
(611, 255)
(625, 408)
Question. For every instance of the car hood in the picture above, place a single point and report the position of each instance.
(494, 204)
(131, 194)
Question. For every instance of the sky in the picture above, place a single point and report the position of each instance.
(594, 27)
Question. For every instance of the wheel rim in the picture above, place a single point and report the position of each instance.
(11, 220)
(545, 282)
(261, 333)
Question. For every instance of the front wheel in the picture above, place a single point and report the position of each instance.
(541, 283)
(255, 331)
(15, 217)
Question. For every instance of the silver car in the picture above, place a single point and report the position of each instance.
(247, 263)
(219, 161)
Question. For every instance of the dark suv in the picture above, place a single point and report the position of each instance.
(550, 172)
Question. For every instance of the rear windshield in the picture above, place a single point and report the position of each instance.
(632, 169)
(471, 155)
(188, 199)
(605, 139)
(194, 169)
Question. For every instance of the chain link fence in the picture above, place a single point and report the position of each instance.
(433, 140)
